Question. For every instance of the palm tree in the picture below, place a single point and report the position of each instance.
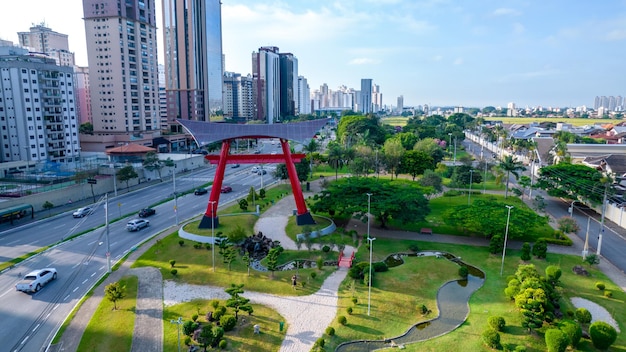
(335, 157)
(310, 148)
(511, 166)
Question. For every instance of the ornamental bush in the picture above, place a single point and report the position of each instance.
(556, 340)
(600, 286)
(320, 342)
(583, 316)
(349, 310)
(326, 249)
(602, 335)
(608, 294)
(491, 338)
(540, 249)
(330, 331)
(223, 344)
(497, 323)
(219, 312)
(525, 256)
(573, 331)
(342, 320)
(228, 322)
(496, 244)
(379, 267)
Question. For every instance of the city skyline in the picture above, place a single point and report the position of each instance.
(431, 52)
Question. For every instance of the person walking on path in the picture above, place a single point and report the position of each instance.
(294, 281)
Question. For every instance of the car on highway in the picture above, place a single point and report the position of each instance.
(234, 166)
(261, 172)
(36, 279)
(82, 212)
(200, 191)
(226, 189)
(137, 224)
(146, 212)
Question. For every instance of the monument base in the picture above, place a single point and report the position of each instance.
(305, 219)
(208, 222)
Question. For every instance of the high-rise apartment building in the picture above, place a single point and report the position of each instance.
(238, 98)
(44, 40)
(365, 96)
(304, 96)
(37, 109)
(266, 76)
(192, 35)
(377, 99)
(288, 84)
(122, 52)
(83, 97)
(400, 104)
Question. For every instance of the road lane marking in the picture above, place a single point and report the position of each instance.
(94, 274)
(66, 298)
(36, 327)
(59, 227)
(85, 281)
(74, 290)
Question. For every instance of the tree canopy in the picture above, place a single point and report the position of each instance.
(573, 181)
(399, 200)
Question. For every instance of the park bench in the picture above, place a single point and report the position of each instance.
(426, 231)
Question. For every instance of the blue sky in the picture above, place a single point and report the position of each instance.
(438, 52)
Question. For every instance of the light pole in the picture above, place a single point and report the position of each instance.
(586, 247)
(454, 160)
(178, 322)
(449, 141)
(114, 180)
(369, 294)
(469, 194)
(212, 202)
(506, 235)
(369, 197)
(485, 178)
(175, 194)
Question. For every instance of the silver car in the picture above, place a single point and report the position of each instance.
(82, 212)
(137, 224)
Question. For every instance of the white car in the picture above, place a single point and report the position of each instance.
(35, 280)
(82, 212)
(137, 224)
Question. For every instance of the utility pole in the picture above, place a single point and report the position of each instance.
(606, 190)
(106, 215)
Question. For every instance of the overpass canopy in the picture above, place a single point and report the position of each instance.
(208, 132)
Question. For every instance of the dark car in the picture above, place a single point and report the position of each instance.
(200, 191)
(261, 172)
(226, 189)
(146, 212)
(234, 166)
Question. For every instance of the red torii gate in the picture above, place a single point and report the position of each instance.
(207, 132)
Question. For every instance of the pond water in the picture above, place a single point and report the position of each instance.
(452, 301)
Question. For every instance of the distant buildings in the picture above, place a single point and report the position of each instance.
(37, 109)
(365, 96)
(610, 103)
(122, 53)
(41, 39)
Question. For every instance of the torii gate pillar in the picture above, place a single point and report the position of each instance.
(210, 219)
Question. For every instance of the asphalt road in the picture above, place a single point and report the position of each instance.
(613, 242)
(31, 320)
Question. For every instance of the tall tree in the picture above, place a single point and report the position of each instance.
(415, 162)
(335, 157)
(126, 174)
(272, 259)
(393, 152)
(151, 162)
(510, 166)
(573, 181)
(236, 301)
(431, 147)
(114, 292)
(311, 147)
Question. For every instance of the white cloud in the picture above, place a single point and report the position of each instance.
(617, 34)
(458, 61)
(364, 61)
(505, 12)
(518, 28)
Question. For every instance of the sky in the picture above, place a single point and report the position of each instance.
(438, 52)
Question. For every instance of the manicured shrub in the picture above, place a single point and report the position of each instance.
(496, 244)
(600, 286)
(379, 267)
(573, 331)
(525, 256)
(463, 271)
(320, 263)
(194, 317)
(330, 331)
(355, 300)
(189, 327)
(540, 249)
(583, 316)
(223, 344)
(413, 247)
(228, 322)
(218, 333)
(602, 335)
(491, 338)
(174, 272)
(556, 340)
(181, 243)
(207, 246)
(326, 249)
(422, 309)
(320, 342)
(349, 310)
(187, 341)
(172, 263)
(608, 294)
(520, 348)
(313, 274)
(342, 320)
(219, 312)
(553, 273)
(358, 270)
(592, 259)
(214, 303)
(497, 323)
(367, 280)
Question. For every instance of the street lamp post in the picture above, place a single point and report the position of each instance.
(469, 194)
(369, 197)
(586, 246)
(454, 160)
(178, 322)
(449, 141)
(506, 235)
(212, 202)
(175, 194)
(114, 180)
(485, 178)
(369, 294)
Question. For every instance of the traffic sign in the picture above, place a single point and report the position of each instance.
(92, 181)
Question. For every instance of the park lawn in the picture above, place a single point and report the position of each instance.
(242, 338)
(438, 206)
(489, 300)
(112, 330)
(396, 295)
(194, 266)
(292, 229)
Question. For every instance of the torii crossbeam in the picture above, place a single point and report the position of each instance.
(207, 132)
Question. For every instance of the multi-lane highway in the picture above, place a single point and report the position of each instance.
(29, 321)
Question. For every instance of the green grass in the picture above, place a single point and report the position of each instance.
(402, 121)
(112, 330)
(241, 339)
(292, 229)
(419, 283)
(195, 267)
